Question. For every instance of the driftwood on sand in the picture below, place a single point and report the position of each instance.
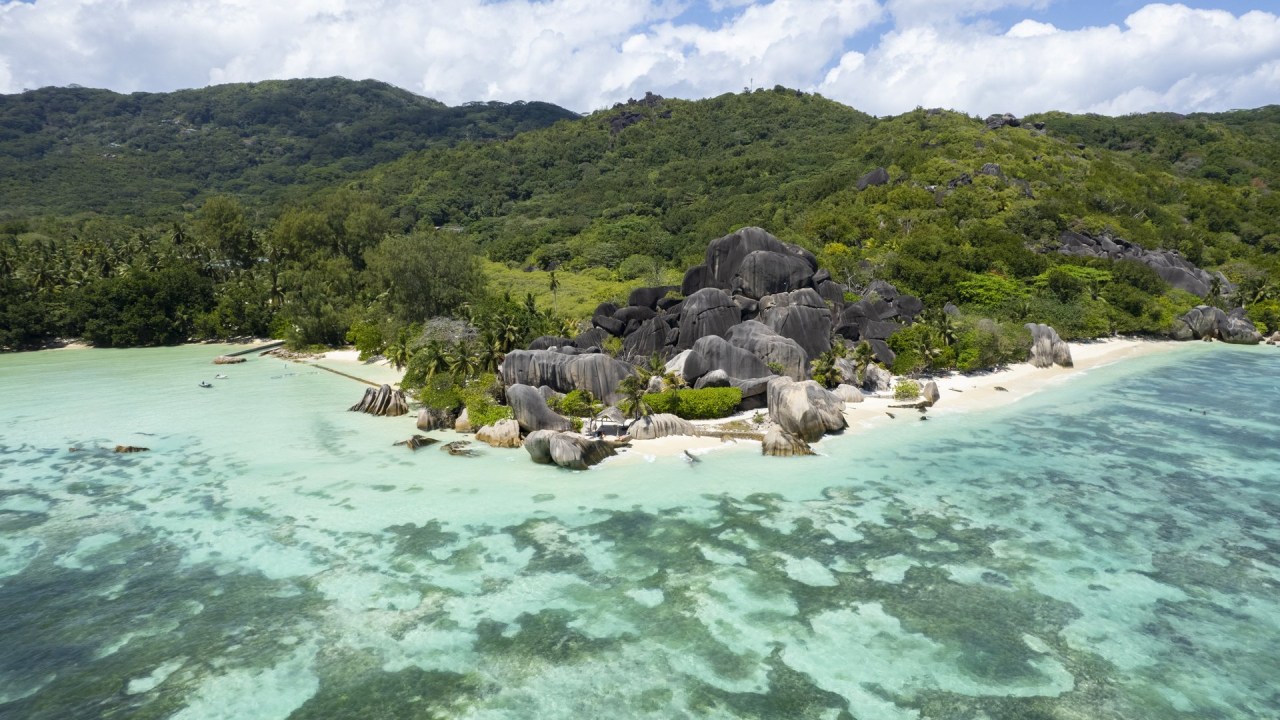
(416, 441)
(383, 401)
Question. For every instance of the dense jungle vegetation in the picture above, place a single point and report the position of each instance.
(327, 211)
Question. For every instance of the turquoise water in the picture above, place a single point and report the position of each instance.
(1109, 548)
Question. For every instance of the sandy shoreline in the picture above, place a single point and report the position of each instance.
(960, 393)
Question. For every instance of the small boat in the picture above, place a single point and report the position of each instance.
(219, 376)
(204, 384)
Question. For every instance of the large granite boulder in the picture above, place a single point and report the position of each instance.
(780, 443)
(634, 314)
(568, 450)
(649, 296)
(716, 353)
(699, 277)
(596, 373)
(705, 313)
(463, 423)
(675, 365)
(831, 291)
(1205, 322)
(545, 342)
(591, 340)
(805, 409)
(648, 339)
(764, 272)
(531, 412)
(661, 425)
(879, 176)
(502, 434)
(713, 379)
(725, 255)
(848, 393)
(802, 316)
(763, 342)
(876, 379)
(930, 393)
(609, 324)
(1047, 349)
(436, 419)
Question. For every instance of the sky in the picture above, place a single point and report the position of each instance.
(880, 56)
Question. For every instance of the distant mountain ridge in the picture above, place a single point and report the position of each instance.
(73, 149)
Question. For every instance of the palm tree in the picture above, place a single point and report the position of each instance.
(863, 356)
(633, 402)
(554, 285)
(399, 352)
(461, 361)
(434, 358)
(943, 325)
(490, 352)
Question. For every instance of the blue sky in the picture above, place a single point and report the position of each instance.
(881, 56)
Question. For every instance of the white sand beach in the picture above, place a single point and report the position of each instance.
(960, 393)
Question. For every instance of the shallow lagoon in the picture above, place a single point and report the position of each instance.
(1109, 548)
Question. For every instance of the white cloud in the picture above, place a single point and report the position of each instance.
(1166, 57)
(578, 53)
(585, 55)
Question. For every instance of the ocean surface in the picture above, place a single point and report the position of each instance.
(1107, 548)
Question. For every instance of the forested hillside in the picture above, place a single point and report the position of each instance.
(70, 150)
(988, 216)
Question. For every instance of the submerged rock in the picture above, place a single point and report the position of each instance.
(416, 441)
(568, 450)
(129, 449)
(459, 448)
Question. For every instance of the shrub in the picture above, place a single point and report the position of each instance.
(577, 403)
(704, 404)
(440, 393)
(906, 390)
(482, 409)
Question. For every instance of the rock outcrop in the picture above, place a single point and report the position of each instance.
(802, 316)
(876, 379)
(763, 342)
(716, 353)
(879, 176)
(661, 425)
(596, 373)
(436, 419)
(1047, 349)
(848, 393)
(805, 409)
(1168, 264)
(502, 434)
(725, 255)
(1210, 323)
(764, 272)
(463, 423)
(930, 393)
(566, 449)
(707, 312)
(648, 339)
(531, 411)
(384, 401)
(780, 443)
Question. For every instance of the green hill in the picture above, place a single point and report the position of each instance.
(963, 212)
(70, 150)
